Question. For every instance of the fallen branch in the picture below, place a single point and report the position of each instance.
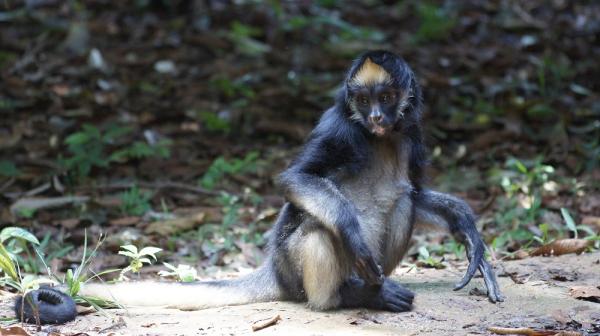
(266, 323)
(45, 203)
(531, 332)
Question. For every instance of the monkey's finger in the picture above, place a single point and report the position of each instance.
(377, 271)
(474, 262)
(490, 282)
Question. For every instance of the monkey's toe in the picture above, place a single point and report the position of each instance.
(393, 297)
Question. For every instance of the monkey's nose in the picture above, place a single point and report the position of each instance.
(376, 118)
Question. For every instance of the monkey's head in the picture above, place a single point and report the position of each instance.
(382, 93)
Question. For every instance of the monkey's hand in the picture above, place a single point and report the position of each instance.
(446, 211)
(365, 265)
(475, 253)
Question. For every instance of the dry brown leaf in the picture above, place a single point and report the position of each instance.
(172, 226)
(561, 246)
(13, 331)
(588, 293)
(125, 221)
(83, 310)
(69, 223)
(520, 254)
(593, 221)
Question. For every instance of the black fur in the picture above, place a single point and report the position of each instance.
(340, 146)
(390, 296)
(460, 220)
(48, 305)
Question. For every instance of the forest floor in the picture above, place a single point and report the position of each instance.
(170, 120)
(538, 294)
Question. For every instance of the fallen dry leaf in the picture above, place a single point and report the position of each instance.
(561, 246)
(520, 254)
(172, 226)
(588, 293)
(13, 331)
(83, 310)
(125, 221)
(592, 221)
(69, 223)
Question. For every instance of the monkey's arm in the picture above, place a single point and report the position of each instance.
(306, 184)
(446, 211)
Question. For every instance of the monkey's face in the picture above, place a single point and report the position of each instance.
(376, 99)
(376, 107)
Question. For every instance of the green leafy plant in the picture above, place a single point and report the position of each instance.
(454, 247)
(427, 260)
(183, 273)
(230, 207)
(436, 22)
(553, 73)
(226, 235)
(88, 148)
(135, 202)
(25, 212)
(8, 169)
(91, 147)
(8, 264)
(523, 182)
(590, 234)
(19, 241)
(140, 150)
(76, 278)
(222, 167)
(137, 259)
(214, 123)
(232, 88)
(244, 38)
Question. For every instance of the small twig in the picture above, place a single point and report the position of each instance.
(7, 184)
(266, 323)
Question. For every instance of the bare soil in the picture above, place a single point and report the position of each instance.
(536, 289)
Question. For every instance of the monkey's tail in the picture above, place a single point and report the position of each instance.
(259, 286)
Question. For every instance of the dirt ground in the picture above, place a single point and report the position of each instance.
(536, 289)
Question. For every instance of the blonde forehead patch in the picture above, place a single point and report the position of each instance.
(370, 74)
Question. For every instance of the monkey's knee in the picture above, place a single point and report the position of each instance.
(323, 271)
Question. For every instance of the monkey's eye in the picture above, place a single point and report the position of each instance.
(386, 98)
(363, 100)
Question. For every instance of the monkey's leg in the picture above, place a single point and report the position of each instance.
(324, 269)
(328, 281)
(390, 296)
(446, 211)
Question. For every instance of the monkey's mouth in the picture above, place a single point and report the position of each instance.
(378, 130)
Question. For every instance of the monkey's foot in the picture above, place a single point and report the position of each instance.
(389, 296)
(393, 297)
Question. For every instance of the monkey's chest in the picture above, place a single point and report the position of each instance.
(377, 193)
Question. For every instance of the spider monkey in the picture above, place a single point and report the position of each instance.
(354, 195)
